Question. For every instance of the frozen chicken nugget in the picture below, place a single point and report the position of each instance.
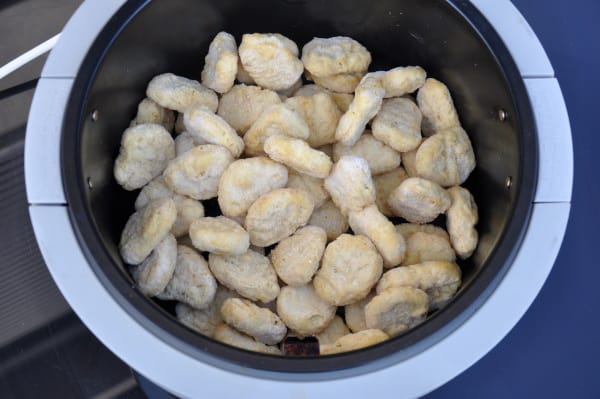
(352, 342)
(297, 154)
(154, 190)
(409, 161)
(461, 217)
(342, 100)
(437, 107)
(245, 180)
(204, 320)
(403, 80)
(228, 335)
(206, 126)
(374, 225)
(197, 172)
(350, 184)
(192, 282)
(312, 185)
(260, 323)
(145, 229)
(355, 313)
(438, 279)
(219, 235)
(145, 152)
(153, 275)
(398, 124)
(384, 185)
(380, 157)
(187, 211)
(418, 200)
(340, 83)
(220, 64)
(330, 219)
(149, 111)
(277, 214)
(446, 158)
(242, 105)
(334, 330)
(423, 247)
(242, 75)
(271, 60)
(365, 105)
(303, 311)
(249, 274)
(178, 93)
(185, 142)
(277, 119)
(335, 55)
(284, 94)
(397, 309)
(320, 113)
(297, 258)
(349, 269)
(408, 229)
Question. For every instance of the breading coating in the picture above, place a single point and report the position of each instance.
(245, 180)
(398, 124)
(219, 235)
(145, 152)
(340, 83)
(384, 185)
(271, 60)
(297, 258)
(438, 279)
(342, 100)
(297, 154)
(187, 211)
(320, 113)
(242, 75)
(277, 214)
(446, 158)
(352, 342)
(350, 184)
(185, 142)
(374, 225)
(155, 272)
(461, 218)
(249, 274)
(149, 111)
(285, 93)
(242, 105)
(330, 219)
(334, 330)
(248, 318)
(303, 311)
(154, 190)
(145, 229)
(380, 157)
(419, 200)
(437, 107)
(403, 80)
(409, 162)
(355, 313)
(335, 55)
(197, 172)
(178, 93)
(221, 63)
(206, 126)
(349, 269)
(397, 309)
(423, 247)
(408, 229)
(312, 185)
(228, 335)
(192, 283)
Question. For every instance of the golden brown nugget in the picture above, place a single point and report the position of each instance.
(204, 125)
(352, 342)
(374, 225)
(423, 247)
(144, 153)
(398, 124)
(277, 119)
(335, 55)
(384, 185)
(330, 219)
(297, 258)
(250, 274)
(397, 309)
(349, 269)
(242, 105)
(437, 107)
(220, 64)
(178, 93)
(380, 157)
(320, 113)
(403, 80)
(408, 229)
(419, 200)
(245, 180)
(350, 184)
(248, 318)
(149, 111)
(409, 160)
(155, 272)
(439, 280)
(339, 83)
(228, 335)
(196, 173)
(271, 60)
(342, 100)
(192, 282)
(303, 311)
(334, 330)
(145, 229)
(461, 217)
(446, 158)
(298, 155)
(219, 235)
(354, 313)
(277, 214)
(312, 185)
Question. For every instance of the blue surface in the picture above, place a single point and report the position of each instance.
(553, 352)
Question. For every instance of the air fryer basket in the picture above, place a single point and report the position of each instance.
(451, 40)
